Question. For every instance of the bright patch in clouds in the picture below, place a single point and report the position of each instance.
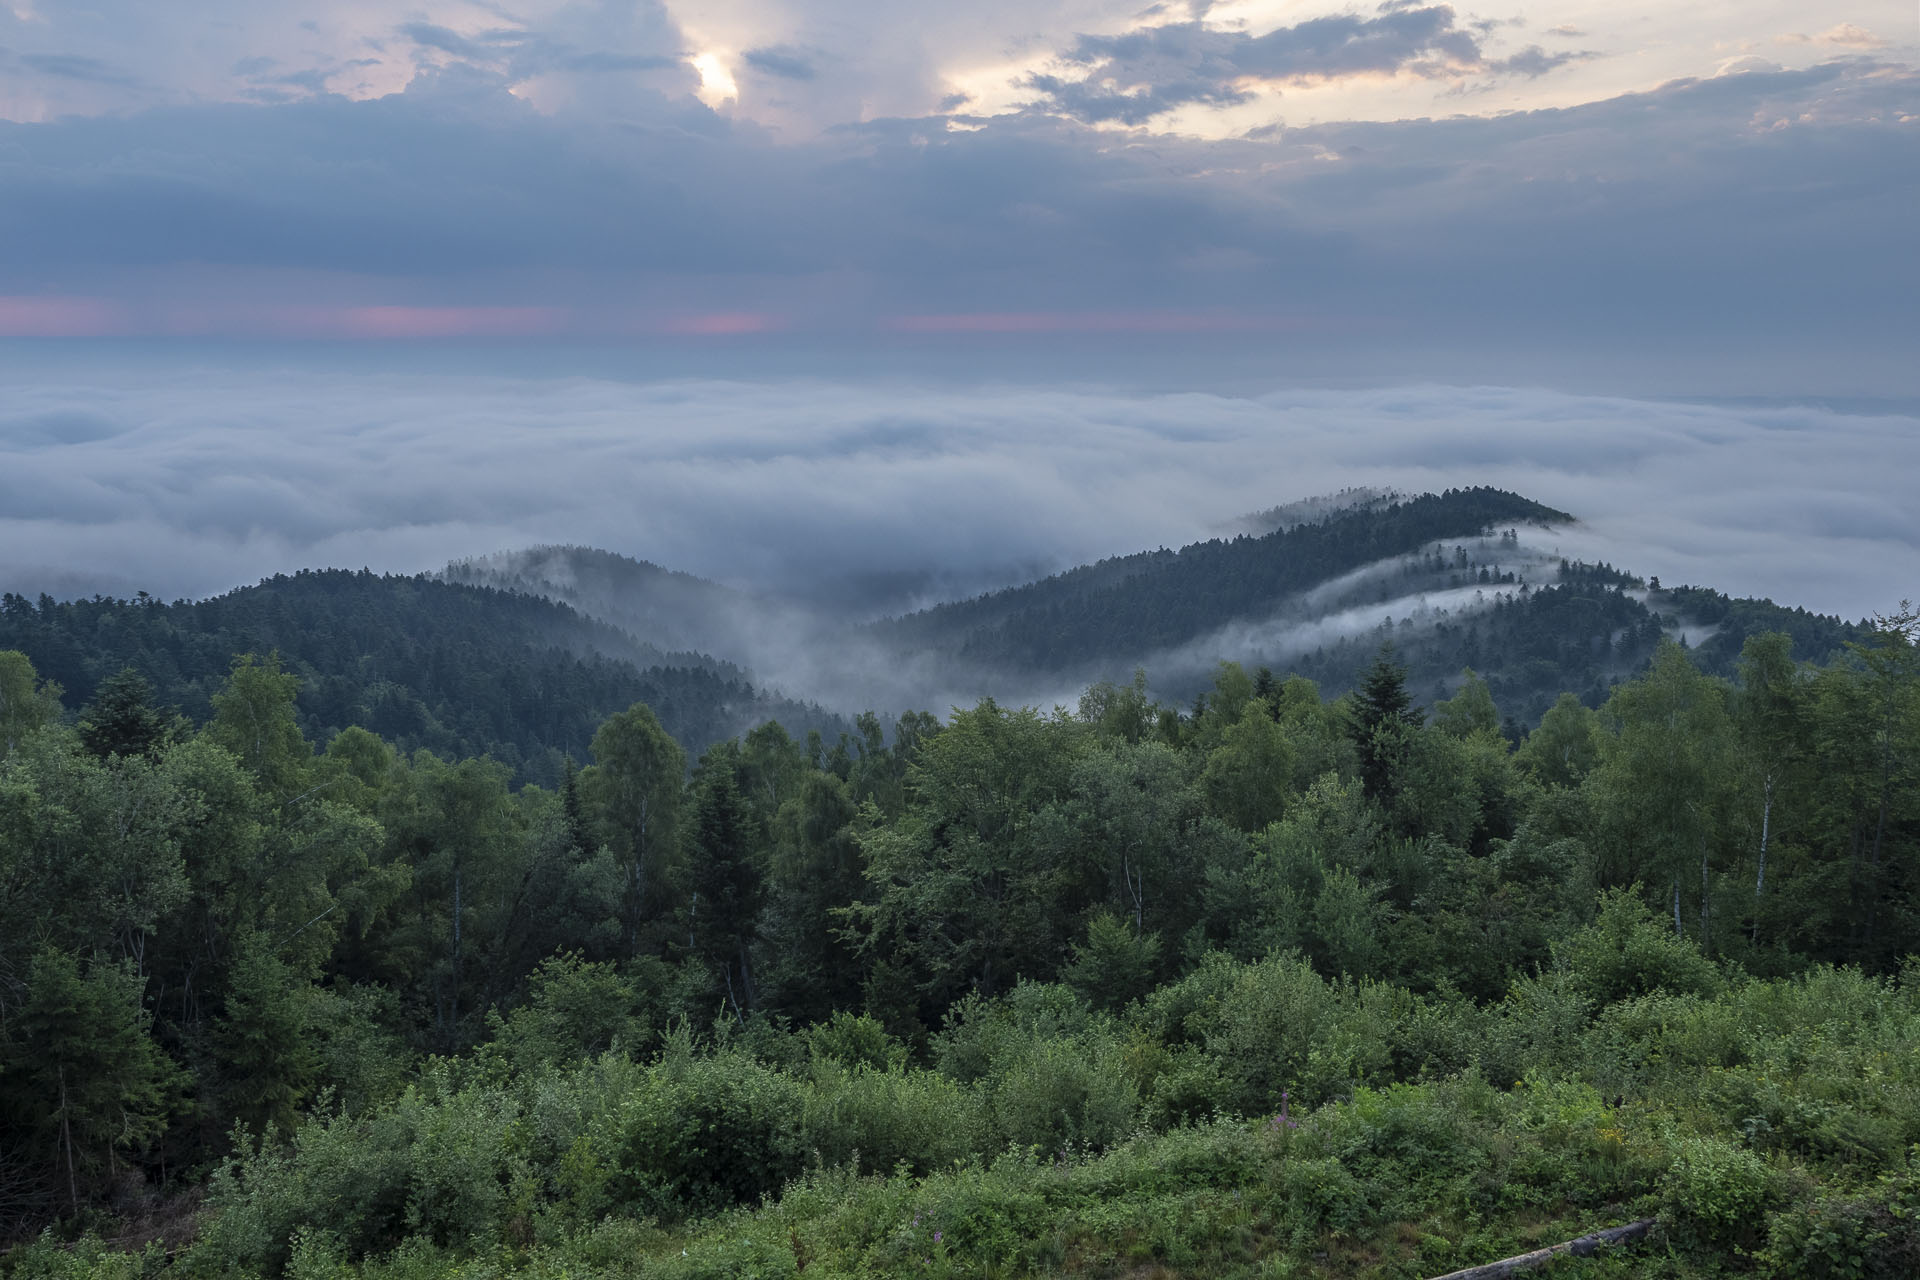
(716, 81)
(827, 62)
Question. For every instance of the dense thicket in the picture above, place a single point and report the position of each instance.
(460, 670)
(1269, 984)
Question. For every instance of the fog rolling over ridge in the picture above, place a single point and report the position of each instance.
(1467, 578)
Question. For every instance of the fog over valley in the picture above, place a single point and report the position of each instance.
(879, 498)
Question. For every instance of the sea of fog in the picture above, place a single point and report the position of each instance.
(872, 495)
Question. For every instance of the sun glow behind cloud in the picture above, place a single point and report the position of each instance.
(717, 85)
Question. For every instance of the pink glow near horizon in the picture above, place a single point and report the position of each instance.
(721, 324)
(55, 317)
(444, 322)
(1093, 322)
(23, 316)
(71, 317)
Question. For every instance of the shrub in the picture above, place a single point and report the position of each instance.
(855, 1040)
(1114, 965)
(742, 1257)
(1629, 951)
(982, 1035)
(1060, 1094)
(1279, 1026)
(574, 1009)
(919, 1120)
(1717, 1195)
(706, 1133)
(1872, 1236)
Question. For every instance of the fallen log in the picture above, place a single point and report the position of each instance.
(1585, 1247)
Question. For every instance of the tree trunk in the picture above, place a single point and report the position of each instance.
(453, 1019)
(1706, 906)
(1678, 932)
(726, 972)
(1879, 833)
(1760, 866)
(1584, 1247)
(1136, 889)
(66, 1141)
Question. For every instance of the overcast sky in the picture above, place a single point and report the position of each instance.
(642, 228)
(1565, 187)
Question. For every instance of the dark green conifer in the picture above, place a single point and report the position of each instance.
(121, 719)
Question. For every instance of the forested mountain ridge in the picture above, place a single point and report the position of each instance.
(664, 606)
(1463, 579)
(459, 669)
(1133, 605)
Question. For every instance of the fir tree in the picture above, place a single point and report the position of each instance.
(1382, 717)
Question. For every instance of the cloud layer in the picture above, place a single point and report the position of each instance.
(1139, 74)
(1754, 223)
(194, 481)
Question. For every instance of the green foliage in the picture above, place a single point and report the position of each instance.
(1717, 1194)
(1383, 720)
(26, 702)
(574, 1010)
(264, 1040)
(706, 1133)
(1248, 777)
(855, 1040)
(1629, 951)
(121, 719)
(633, 791)
(1063, 1094)
(1206, 1005)
(1563, 749)
(454, 668)
(1469, 711)
(1869, 1234)
(1114, 965)
(253, 717)
(86, 1085)
(890, 1119)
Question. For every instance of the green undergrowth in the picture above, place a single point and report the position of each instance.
(1770, 1126)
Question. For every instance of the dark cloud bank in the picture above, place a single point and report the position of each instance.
(1143, 73)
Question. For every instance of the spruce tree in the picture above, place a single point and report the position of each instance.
(726, 881)
(121, 719)
(1382, 717)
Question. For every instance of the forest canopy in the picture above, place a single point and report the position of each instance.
(1268, 983)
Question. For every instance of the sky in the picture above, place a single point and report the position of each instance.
(1726, 186)
(282, 280)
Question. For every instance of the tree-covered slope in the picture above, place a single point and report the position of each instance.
(665, 607)
(461, 670)
(1130, 606)
(1465, 578)
(1583, 629)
